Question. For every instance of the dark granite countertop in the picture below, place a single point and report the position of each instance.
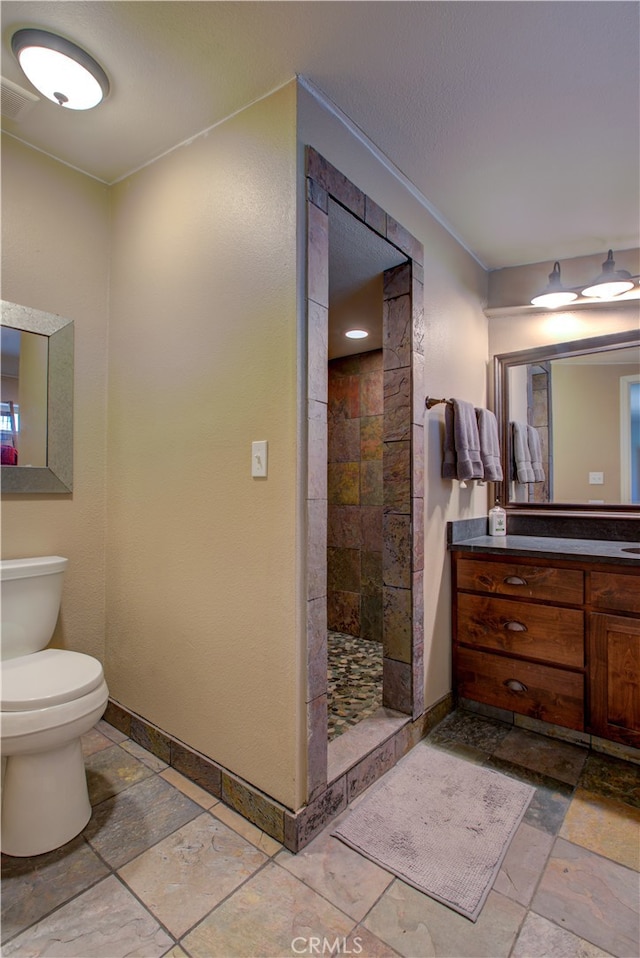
(549, 547)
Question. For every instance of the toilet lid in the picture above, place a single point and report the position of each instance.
(47, 678)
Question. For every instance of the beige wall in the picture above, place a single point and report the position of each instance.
(202, 635)
(55, 257)
(586, 430)
(455, 357)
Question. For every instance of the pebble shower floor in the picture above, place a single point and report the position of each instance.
(354, 681)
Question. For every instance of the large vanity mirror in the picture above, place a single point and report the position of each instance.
(36, 401)
(569, 417)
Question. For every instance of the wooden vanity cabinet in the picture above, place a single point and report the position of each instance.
(555, 640)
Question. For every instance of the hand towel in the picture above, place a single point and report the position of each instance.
(521, 454)
(449, 453)
(535, 451)
(467, 441)
(489, 445)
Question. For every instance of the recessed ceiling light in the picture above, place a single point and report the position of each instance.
(357, 334)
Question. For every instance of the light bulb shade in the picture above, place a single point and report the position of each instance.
(63, 72)
(356, 334)
(554, 294)
(611, 281)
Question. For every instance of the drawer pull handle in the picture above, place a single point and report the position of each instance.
(515, 686)
(515, 626)
(515, 580)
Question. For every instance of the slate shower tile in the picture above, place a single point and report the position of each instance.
(371, 488)
(318, 256)
(372, 393)
(397, 281)
(130, 822)
(371, 618)
(344, 527)
(371, 572)
(397, 332)
(396, 611)
(397, 405)
(396, 552)
(344, 440)
(343, 612)
(344, 398)
(371, 526)
(344, 483)
(370, 437)
(396, 685)
(343, 570)
(397, 477)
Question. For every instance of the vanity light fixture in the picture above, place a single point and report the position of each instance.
(554, 294)
(610, 282)
(356, 334)
(63, 72)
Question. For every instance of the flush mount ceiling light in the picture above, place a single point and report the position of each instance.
(554, 294)
(610, 284)
(60, 70)
(357, 334)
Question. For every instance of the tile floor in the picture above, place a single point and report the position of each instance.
(354, 687)
(165, 869)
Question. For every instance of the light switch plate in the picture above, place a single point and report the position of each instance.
(259, 452)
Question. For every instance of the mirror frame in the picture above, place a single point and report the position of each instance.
(57, 475)
(502, 364)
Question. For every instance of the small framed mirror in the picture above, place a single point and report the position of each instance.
(36, 407)
(582, 400)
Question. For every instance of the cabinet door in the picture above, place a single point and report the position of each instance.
(614, 644)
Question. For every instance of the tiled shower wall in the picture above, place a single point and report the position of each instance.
(355, 495)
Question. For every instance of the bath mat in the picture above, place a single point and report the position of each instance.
(440, 824)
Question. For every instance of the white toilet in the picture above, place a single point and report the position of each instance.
(50, 697)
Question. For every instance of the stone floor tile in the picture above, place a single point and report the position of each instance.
(337, 872)
(523, 864)
(604, 826)
(365, 945)
(354, 685)
(594, 898)
(189, 788)
(143, 755)
(271, 914)
(551, 800)
(540, 938)
(466, 728)
(126, 825)
(94, 741)
(188, 873)
(613, 778)
(32, 887)
(251, 832)
(416, 925)
(104, 922)
(112, 770)
(111, 732)
(563, 761)
(176, 952)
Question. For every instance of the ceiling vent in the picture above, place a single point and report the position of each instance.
(16, 102)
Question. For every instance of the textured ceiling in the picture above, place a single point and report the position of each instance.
(518, 122)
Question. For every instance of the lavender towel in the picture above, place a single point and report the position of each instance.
(521, 454)
(461, 442)
(535, 451)
(489, 445)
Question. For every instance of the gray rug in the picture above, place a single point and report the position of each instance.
(440, 824)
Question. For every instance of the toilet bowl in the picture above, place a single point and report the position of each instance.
(50, 697)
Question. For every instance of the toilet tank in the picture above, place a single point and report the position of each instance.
(31, 593)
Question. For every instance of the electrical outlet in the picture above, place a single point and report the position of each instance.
(596, 478)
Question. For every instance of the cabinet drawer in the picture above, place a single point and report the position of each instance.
(540, 691)
(522, 628)
(615, 590)
(527, 581)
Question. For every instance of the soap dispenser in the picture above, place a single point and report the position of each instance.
(497, 520)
